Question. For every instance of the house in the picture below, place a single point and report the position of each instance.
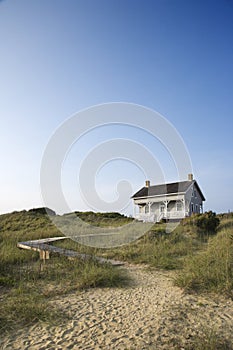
(173, 201)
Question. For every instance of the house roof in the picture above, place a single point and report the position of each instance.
(165, 189)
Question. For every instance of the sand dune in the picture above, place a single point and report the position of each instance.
(149, 314)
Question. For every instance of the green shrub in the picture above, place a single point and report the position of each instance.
(206, 223)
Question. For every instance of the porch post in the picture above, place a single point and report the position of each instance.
(149, 204)
(165, 209)
(184, 210)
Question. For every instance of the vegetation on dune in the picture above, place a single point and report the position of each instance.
(200, 250)
(212, 268)
(27, 292)
(102, 219)
(158, 249)
(203, 225)
(26, 225)
(206, 223)
(27, 285)
(209, 340)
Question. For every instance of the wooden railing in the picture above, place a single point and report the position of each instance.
(149, 217)
(146, 217)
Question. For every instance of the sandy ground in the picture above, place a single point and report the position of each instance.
(149, 314)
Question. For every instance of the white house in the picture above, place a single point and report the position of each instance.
(173, 201)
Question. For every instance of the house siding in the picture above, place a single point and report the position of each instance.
(195, 202)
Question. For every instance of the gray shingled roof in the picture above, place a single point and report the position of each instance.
(175, 187)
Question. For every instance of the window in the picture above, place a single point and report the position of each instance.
(192, 208)
(162, 208)
(195, 193)
(141, 209)
(197, 211)
(179, 206)
(146, 209)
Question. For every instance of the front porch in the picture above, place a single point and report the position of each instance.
(156, 211)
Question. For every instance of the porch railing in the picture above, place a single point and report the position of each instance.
(146, 217)
(156, 218)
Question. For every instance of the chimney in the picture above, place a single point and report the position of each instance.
(190, 177)
(147, 183)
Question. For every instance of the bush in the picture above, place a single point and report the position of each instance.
(207, 223)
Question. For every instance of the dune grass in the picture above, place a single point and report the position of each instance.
(156, 248)
(26, 294)
(202, 263)
(210, 339)
(27, 284)
(211, 269)
(162, 250)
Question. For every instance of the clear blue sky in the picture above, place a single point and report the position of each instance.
(58, 57)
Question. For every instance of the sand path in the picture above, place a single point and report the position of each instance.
(150, 314)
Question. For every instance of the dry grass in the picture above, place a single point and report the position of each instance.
(26, 288)
(211, 269)
(202, 265)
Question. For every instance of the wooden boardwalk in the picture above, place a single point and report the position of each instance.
(44, 247)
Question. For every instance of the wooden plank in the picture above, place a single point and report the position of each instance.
(48, 240)
(45, 248)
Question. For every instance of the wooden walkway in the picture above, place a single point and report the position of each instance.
(44, 247)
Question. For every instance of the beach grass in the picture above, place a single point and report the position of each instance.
(27, 284)
(212, 269)
(209, 340)
(201, 263)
